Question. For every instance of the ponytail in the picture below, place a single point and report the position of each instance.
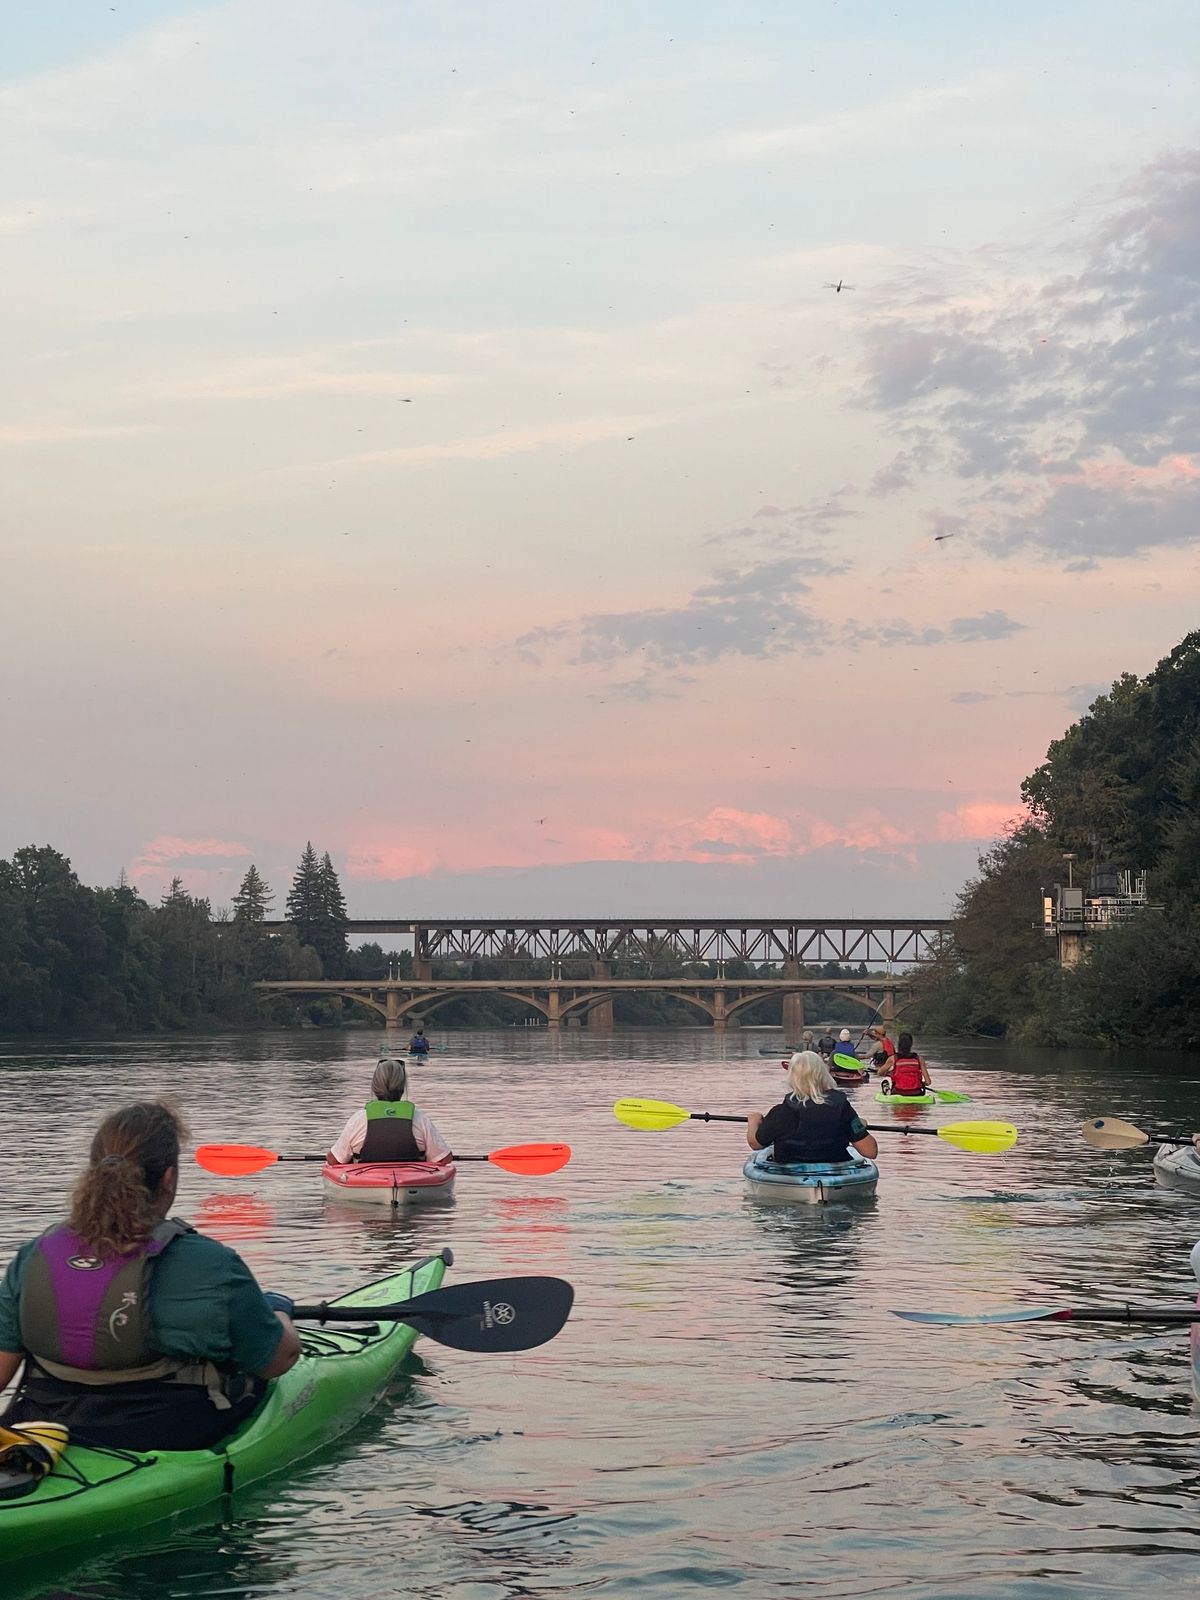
(115, 1204)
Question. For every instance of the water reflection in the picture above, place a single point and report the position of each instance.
(732, 1388)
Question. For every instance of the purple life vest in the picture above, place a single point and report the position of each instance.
(81, 1313)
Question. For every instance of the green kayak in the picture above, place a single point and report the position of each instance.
(927, 1098)
(95, 1494)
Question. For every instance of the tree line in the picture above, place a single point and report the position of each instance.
(75, 959)
(1119, 790)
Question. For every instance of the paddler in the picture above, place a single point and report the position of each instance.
(880, 1042)
(389, 1128)
(907, 1073)
(418, 1045)
(814, 1122)
(826, 1045)
(132, 1329)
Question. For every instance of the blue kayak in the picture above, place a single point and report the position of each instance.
(812, 1181)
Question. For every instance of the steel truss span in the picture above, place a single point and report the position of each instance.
(806, 941)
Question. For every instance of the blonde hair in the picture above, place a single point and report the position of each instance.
(808, 1077)
(115, 1204)
(390, 1079)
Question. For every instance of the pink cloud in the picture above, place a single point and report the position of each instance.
(977, 819)
(1171, 473)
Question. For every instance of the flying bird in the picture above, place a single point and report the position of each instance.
(839, 286)
(938, 537)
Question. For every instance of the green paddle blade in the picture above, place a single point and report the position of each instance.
(849, 1063)
(984, 1138)
(951, 1097)
(1110, 1133)
(652, 1116)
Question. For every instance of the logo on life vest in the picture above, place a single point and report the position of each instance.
(84, 1263)
(498, 1315)
(120, 1317)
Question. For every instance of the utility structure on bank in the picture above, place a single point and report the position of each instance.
(571, 999)
(1073, 911)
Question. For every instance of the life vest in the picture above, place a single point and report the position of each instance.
(820, 1130)
(906, 1075)
(85, 1319)
(418, 1045)
(826, 1046)
(390, 1135)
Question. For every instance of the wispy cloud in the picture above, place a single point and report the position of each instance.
(1069, 405)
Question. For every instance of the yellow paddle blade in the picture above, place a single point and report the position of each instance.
(985, 1138)
(650, 1115)
(1110, 1133)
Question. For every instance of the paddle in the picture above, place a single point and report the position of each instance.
(493, 1315)
(654, 1116)
(849, 1063)
(1049, 1314)
(1110, 1133)
(239, 1160)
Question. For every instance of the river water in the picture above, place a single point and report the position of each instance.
(731, 1406)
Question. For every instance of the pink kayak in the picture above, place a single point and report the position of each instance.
(389, 1183)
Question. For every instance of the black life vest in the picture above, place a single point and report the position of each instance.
(820, 1131)
(390, 1135)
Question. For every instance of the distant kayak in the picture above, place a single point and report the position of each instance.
(389, 1183)
(812, 1182)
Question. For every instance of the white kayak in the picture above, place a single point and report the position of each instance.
(1177, 1166)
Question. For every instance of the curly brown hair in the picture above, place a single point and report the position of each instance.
(115, 1204)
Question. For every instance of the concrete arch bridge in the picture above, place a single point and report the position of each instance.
(571, 1002)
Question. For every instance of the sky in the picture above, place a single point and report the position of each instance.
(430, 431)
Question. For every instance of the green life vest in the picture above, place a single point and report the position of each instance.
(390, 1134)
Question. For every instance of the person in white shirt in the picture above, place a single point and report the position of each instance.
(389, 1128)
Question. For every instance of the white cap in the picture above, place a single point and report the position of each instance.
(845, 1033)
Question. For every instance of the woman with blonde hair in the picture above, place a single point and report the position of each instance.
(814, 1122)
(132, 1329)
(389, 1128)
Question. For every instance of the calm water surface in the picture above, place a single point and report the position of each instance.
(731, 1405)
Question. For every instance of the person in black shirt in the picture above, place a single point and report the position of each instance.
(815, 1122)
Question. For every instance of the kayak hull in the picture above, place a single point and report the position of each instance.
(394, 1184)
(812, 1182)
(886, 1098)
(92, 1497)
(840, 1076)
(1177, 1166)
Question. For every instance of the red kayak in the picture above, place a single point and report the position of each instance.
(389, 1183)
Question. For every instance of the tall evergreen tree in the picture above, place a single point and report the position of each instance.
(304, 898)
(254, 899)
(332, 948)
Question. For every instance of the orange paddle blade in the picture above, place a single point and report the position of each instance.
(234, 1160)
(531, 1159)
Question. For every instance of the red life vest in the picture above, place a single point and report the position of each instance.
(906, 1075)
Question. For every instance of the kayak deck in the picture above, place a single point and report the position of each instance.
(100, 1493)
(389, 1183)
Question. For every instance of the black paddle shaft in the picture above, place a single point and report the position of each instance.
(490, 1316)
(711, 1116)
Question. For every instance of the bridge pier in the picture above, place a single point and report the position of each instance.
(393, 1017)
(720, 1017)
(553, 1020)
(600, 1016)
(793, 1007)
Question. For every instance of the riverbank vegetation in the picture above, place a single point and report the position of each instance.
(1119, 791)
